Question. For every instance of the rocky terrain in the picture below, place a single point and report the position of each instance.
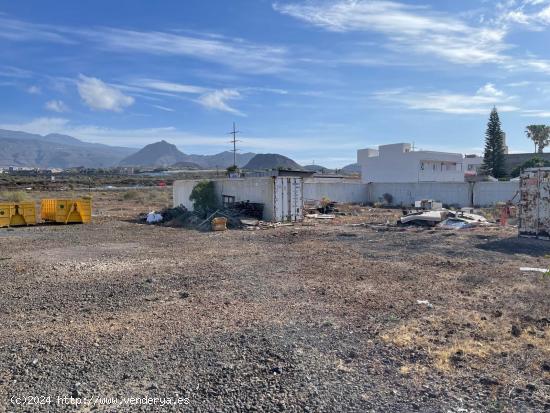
(319, 317)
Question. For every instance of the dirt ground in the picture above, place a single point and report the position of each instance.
(319, 317)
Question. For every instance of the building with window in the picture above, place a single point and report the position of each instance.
(399, 163)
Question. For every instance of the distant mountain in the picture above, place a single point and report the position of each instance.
(352, 168)
(155, 154)
(221, 160)
(316, 168)
(55, 151)
(271, 161)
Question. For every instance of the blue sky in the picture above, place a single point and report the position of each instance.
(314, 80)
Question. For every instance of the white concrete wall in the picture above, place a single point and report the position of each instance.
(258, 190)
(489, 193)
(339, 190)
(447, 192)
(181, 190)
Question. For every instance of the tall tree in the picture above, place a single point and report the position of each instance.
(540, 135)
(493, 158)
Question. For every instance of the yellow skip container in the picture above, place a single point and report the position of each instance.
(14, 214)
(65, 211)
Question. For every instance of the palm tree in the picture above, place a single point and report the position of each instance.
(540, 135)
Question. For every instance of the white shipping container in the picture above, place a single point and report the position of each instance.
(534, 205)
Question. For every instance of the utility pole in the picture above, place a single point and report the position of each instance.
(234, 142)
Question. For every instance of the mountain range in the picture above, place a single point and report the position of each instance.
(166, 154)
(55, 151)
(22, 149)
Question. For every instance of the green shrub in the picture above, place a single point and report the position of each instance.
(204, 198)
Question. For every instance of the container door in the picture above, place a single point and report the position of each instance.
(544, 204)
(278, 200)
(297, 199)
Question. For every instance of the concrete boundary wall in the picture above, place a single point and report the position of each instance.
(489, 193)
(452, 193)
(345, 191)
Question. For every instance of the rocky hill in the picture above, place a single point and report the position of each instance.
(271, 161)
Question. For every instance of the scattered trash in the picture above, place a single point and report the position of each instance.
(454, 223)
(153, 217)
(424, 302)
(219, 224)
(425, 218)
(321, 216)
(250, 222)
(530, 269)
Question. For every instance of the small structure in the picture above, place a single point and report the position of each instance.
(397, 163)
(14, 214)
(534, 204)
(66, 211)
(281, 196)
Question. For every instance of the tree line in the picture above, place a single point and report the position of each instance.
(493, 156)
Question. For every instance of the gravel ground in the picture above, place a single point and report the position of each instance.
(316, 318)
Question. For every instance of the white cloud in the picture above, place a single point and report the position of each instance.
(42, 126)
(169, 86)
(408, 28)
(218, 100)
(236, 53)
(34, 90)
(452, 103)
(535, 113)
(56, 106)
(101, 96)
(164, 108)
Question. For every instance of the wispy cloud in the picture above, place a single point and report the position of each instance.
(218, 100)
(17, 30)
(238, 54)
(56, 106)
(98, 95)
(479, 103)
(170, 87)
(163, 108)
(34, 90)
(408, 28)
(419, 30)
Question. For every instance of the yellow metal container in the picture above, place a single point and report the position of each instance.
(14, 214)
(66, 211)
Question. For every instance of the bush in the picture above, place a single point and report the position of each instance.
(14, 196)
(204, 198)
(531, 163)
(388, 198)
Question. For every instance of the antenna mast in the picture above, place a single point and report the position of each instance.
(234, 142)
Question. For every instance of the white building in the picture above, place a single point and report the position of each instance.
(398, 163)
(472, 165)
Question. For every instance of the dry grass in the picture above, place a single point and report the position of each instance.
(492, 338)
(14, 196)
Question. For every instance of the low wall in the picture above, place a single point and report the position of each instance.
(344, 191)
(452, 193)
(489, 193)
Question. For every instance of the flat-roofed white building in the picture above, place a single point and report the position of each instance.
(398, 163)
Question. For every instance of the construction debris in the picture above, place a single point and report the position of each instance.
(530, 269)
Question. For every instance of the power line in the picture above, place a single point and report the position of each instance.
(234, 142)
